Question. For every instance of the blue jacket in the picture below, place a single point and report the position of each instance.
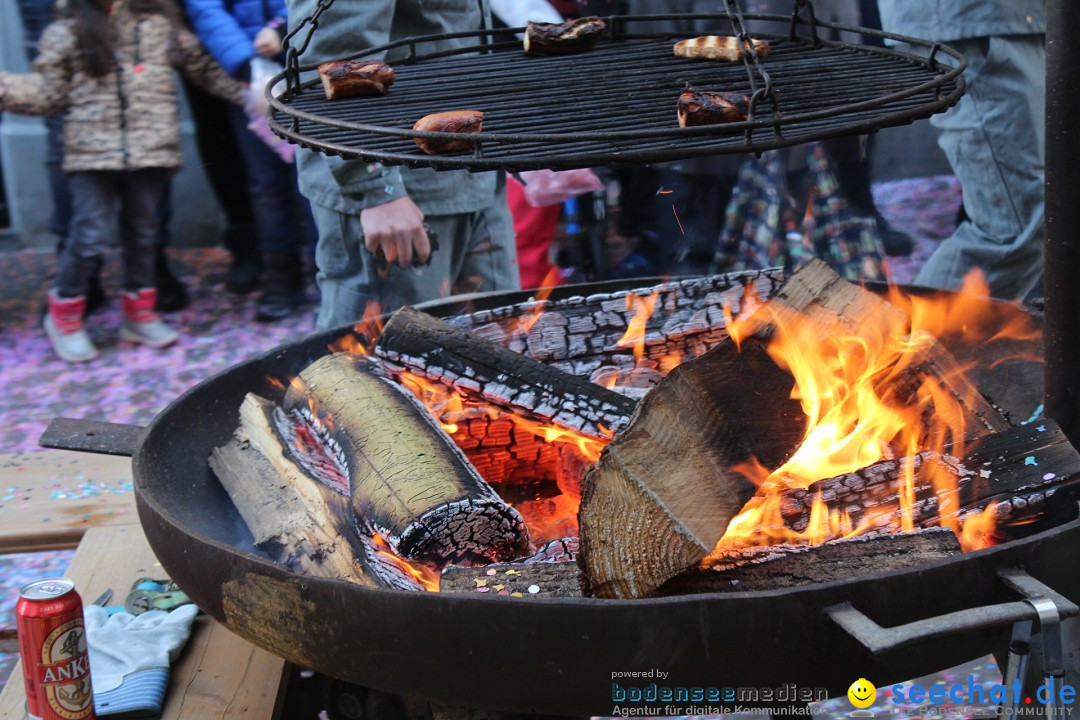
(944, 20)
(227, 28)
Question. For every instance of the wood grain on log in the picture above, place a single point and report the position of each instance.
(406, 477)
(664, 491)
(784, 566)
(545, 579)
(480, 368)
(297, 520)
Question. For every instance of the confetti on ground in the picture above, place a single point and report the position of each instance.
(1030, 460)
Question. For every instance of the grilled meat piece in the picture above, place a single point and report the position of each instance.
(707, 108)
(716, 47)
(561, 38)
(353, 78)
(454, 121)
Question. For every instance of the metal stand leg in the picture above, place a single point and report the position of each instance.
(1053, 657)
(1016, 669)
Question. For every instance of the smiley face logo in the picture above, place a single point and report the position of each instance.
(862, 693)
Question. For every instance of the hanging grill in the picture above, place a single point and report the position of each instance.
(615, 104)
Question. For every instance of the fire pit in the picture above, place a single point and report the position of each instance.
(557, 655)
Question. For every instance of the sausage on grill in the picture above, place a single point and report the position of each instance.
(562, 38)
(353, 78)
(706, 108)
(716, 47)
(454, 121)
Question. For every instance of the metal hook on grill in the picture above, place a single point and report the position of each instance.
(751, 62)
(292, 54)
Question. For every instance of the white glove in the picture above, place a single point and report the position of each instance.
(130, 657)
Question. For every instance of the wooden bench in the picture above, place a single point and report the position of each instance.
(219, 675)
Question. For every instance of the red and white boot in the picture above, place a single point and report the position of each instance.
(141, 322)
(64, 326)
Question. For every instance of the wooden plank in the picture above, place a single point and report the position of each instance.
(218, 675)
(49, 499)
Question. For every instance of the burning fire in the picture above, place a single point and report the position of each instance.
(427, 577)
(866, 399)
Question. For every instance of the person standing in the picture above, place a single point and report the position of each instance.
(236, 32)
(107, 66)
(373, 221)
(994, 138)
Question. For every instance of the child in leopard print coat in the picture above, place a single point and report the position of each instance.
(107, 67)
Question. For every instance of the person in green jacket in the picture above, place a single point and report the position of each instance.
(994, 138)
(373, 221)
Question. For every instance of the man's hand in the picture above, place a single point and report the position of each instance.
(397, 227)
(268, 42)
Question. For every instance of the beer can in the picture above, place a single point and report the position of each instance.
(52, 646)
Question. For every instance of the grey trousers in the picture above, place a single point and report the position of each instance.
(96, 196)
(995, 140)
(476, 254)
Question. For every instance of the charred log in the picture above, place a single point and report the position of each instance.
(545, 579)
(580, 335)
(298, 520)
(784, 566)
(664, 491)
(480, 368)
(1031, 474)
(405, 476)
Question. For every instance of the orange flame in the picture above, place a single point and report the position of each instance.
(635, 330)
(427, 577)
(551, 281)
(867, 399)
(978, 529)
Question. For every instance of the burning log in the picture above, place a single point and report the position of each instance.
(818, 296)
(783, 566)
(1017, 471)
(299, 521)
(484, 369)
(404, 474)
(580, 335)
(664, 491)
(544, 579)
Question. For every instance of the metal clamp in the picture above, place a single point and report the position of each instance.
(879, 640)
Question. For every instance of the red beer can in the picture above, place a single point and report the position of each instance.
(52, 645)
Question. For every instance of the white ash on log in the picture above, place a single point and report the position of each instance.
(871, 494)
(557, 551)
(783, 566)
(479, 368)
(664, 490)
(581, 334)
(537, 580)
(299, 521)
(406, 477)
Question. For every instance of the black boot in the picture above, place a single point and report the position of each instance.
(282, 287)
(95, 295)
(243, 274)
(171, 293)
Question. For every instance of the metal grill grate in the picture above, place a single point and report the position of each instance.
(615, 104)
